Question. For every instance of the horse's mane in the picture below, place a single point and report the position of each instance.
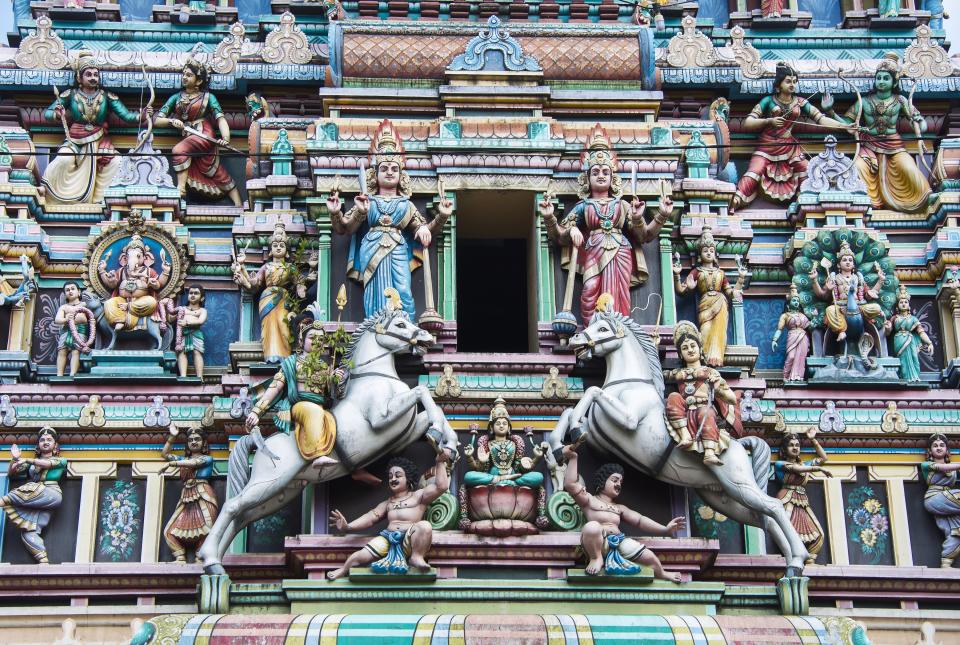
(384, 316)
(649, 349)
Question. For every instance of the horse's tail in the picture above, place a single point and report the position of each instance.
(760, 455)
(238, 471)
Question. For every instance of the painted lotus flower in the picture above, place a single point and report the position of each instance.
(880, 524)
(872, 505)
(868, 537)
(861, 517)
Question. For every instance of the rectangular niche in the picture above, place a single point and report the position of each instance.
(120, 504)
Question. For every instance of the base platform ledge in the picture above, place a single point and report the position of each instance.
(337, 627)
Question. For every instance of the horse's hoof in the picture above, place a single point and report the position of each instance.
(559, 456)
(215, 569)
(794, 572)
(576, 436)
(435, 437)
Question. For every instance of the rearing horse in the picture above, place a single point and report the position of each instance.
(626, 418)
(377, 414)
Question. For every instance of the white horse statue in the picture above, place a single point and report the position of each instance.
(377, 414)
(626, 418)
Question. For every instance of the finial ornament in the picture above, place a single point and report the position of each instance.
(605, 303)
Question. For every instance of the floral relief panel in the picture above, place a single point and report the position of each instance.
(120, 521)
(868, 525)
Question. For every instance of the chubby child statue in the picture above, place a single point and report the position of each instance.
(407, 536)
(607, 548)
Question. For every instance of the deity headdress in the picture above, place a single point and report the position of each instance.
(386, 146)
(890, 63)
(200, 69)
(684, 330)
(903, 294)
(845, 251)
(793, 293)
(499, 411)
(310, 325)
(279, 233)
(84, 60)
(706, 239)
(599, 152)
(48, 430)
(136, 242)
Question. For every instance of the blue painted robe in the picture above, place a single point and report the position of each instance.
(383, 252)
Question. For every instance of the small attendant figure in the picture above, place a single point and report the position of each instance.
(197, 509)
(195, 314)
(702, 400)
(942, 499)
(67, 346)
(407, 536)
(606, 546)
(30, 505)
(798, 342)
(710, 282)
(909, 337)
(793, 474)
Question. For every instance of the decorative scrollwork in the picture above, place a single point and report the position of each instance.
(563, 513)
(444, 513)
(42, 49)
(925, 58)
(831, 170)
(746, 55)
(690, 48)
(287, 44)
(448, 385)
(475, 57)
(227, 54)
(554, 387)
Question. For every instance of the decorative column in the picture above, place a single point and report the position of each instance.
(447, 269)
(893, 476)
(90, 473)
(152, 507)
(324, 263)
(836, 518)
(666, 277)
(546, 300)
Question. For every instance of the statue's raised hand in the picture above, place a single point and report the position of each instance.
(826, 103)
(177, 123)
(339, 521)
(252, 421)
(675, 525)
(445, 207)
(666, 206)
(468, 451)
(334, 203)
(362, 203)
(545, 207)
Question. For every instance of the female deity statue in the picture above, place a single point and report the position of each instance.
(30, 505)
(196, 159)
(909, 338)
(703, 401)
(888, 8)
(771, 9)
(273, 277)
(606, 230)
(843, 287)
(711, 283)
(389, 233)
(197, 509)
(891, 175)
(792, 475)
(87, 161)
(778, 164)
(942, 499)
(498, 459)
(798, 342)
(135, 284)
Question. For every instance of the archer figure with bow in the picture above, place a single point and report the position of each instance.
(890, 173)
(778, 164)
(196, 159)
(86, 161)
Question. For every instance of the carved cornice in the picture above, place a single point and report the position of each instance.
(287, 44)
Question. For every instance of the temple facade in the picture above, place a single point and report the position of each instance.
(309, 311)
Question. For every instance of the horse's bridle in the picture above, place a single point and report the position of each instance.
(591, 343)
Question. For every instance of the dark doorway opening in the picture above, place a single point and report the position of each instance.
(492, 295)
